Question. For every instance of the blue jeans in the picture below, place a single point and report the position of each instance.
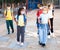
(43, 33)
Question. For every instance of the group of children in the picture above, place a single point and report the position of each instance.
(45, 16)
(44, 22)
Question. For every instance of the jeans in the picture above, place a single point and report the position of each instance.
(20, 32)
(43, 33)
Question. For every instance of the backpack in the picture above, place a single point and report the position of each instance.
(25, 20)
(10, 12)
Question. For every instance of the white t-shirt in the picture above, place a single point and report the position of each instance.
(44, 18)
(50, 14)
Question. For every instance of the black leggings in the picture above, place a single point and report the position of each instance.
(51, 21)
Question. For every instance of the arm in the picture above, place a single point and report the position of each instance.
(5, 13)
(49, 23)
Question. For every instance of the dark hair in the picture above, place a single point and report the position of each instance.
(48, 6)
(8, 5)
(19, 11)
(41, 5)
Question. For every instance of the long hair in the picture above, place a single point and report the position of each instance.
(19, 11)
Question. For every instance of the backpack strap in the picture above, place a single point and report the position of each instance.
(10, 11)
(23, 16)
(17, 17)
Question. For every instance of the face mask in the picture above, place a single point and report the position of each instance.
(51, 8)
(44, 12)
(22, 12)
(8, 8)
(41, 7)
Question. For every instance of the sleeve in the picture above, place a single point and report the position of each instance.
(40, 16)
(37, 13)
(15, 16)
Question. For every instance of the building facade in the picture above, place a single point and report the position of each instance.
(30, 4)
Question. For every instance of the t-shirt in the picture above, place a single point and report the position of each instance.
(39, 12)
(44, 18)
(20, 20)
(50, 14)
(8, 14)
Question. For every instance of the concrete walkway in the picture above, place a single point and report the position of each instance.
(8, 42)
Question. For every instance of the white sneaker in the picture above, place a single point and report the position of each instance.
(49, 37)
(22, 44)
(53, 35)
(18, 43)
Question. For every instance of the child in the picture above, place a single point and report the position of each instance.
(20, 25)
(51, 15)
(8, 13)
(44, 19)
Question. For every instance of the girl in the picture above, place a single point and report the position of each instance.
(20, 25)
(51, 16)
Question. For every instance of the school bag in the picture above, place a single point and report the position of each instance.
(25, 19)
(10, 12)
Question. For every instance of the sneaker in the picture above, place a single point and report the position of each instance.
(22, 44)
(8, 32)
(49, 37)
(43, 45)
(52, 34)
(18, 43)
(12, 31)
(40, 43)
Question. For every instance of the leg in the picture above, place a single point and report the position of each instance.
(7, 24)
(51, 20)
(11, 24)
(45, 34)
(48, 28)
(40, 34)
(18, 33)
(22, 34)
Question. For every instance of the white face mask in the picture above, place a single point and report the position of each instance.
(51, 8)
(44, 12)
(22, 12)
(8, 8)
(40, 7)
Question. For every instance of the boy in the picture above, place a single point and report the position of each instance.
(44, 19)
(8, 13)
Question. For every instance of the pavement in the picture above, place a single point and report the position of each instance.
(8, 42)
